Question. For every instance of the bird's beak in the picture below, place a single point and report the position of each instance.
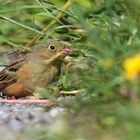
(59, 55)
(66, 51)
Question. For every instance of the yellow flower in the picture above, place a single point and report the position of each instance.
(132, 67)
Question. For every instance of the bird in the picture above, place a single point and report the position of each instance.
(38, 68)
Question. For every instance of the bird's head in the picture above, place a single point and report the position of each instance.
(52, 50)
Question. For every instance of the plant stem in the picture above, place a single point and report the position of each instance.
(20, 24)
(74, 92)
(53, 22)
(36, 101)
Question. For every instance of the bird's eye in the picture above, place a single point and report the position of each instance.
(52, 48)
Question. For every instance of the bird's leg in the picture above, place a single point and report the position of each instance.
(13, 98)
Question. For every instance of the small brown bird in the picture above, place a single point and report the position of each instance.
(36, 69)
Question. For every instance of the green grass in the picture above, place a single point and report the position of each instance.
(103, 33)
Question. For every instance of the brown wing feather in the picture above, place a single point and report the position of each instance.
(5, 75)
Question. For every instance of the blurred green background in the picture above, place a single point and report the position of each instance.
(104, 33)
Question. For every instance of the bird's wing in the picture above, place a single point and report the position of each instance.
(8, 75)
